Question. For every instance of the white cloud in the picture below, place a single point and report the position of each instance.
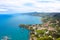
(32, 5)
(3, 10)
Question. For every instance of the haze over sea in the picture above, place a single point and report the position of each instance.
(9, 26)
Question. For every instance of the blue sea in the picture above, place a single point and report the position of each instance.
(9, 25)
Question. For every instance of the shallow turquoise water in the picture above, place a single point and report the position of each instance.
(9, 26)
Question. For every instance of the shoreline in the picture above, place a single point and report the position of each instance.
(34, 28)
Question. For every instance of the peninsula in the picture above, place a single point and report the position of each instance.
(48, 30)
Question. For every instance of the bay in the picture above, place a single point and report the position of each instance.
(9, 26)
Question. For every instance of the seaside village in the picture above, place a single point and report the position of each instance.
(49, 30)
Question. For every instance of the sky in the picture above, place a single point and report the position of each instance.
(23, 6)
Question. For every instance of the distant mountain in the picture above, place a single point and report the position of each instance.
(40, 14)
(57, 15)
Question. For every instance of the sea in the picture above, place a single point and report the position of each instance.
(9, 26)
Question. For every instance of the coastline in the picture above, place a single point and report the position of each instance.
(33, 28)
(48, 30)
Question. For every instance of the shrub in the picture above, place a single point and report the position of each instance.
(58, 39)
(45, 38)
(40, 31)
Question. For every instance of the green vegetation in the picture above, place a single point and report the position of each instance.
(45, 38)
(40, 31)
(58, 39)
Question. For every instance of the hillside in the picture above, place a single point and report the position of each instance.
(39, 14)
